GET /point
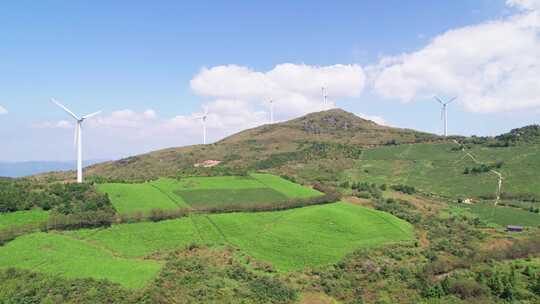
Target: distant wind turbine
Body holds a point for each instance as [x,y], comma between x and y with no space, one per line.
[324,95]
[498,174]
[78,136]
[271,101]
[203,121]
[444,114]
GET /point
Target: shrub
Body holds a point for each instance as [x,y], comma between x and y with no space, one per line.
[86,219]
[404,189]
[466,288]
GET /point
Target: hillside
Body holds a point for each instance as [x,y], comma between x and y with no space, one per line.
[340,132]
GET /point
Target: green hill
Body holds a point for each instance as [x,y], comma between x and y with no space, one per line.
[328,134]
[335,146]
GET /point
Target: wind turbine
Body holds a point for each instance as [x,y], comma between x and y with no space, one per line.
[325,95]
[78,136]
[271,101]
[203,121]
[444,115]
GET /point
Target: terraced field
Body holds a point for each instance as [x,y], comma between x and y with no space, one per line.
[289,240]
[203,192]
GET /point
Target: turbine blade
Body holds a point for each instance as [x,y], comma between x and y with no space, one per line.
[91,115]
[65,109]
[451,100]
[438,99]
[442,113]
[205,111]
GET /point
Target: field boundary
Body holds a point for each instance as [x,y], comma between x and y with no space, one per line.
[168,196]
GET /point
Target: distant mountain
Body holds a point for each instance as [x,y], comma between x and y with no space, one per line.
[328,134]
[20,169]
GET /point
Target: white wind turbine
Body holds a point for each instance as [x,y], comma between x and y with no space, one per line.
[203,121]
[324,95]
[271,101]
[78,136]
[444,114]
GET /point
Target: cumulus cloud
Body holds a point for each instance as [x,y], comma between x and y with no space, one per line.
[3,110]
[294,88]
[492,67]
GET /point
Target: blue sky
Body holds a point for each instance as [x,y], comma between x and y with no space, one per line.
[138,62]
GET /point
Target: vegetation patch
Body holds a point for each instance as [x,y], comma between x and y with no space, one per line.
[216,198]
[214,192]
[23,218]
[61,255]
[288,188]
[439,168]
[289,240]
[127,198]
[503,216]
[202,275]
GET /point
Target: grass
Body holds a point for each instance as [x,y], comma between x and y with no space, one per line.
[62,255]
[503,216]
[290,240]
[166,193]
[128,198]
[437,169]
[23,218]
[288,188]
[215,198]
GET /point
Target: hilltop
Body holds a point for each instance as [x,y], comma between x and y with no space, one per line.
[320,134]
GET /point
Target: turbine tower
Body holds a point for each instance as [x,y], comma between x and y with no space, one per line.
[78,136]
[271,111]
[203,121]
[325,95]
[444,114]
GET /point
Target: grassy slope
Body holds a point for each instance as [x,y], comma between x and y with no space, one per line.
[290,239]
[58,254]
[167,193]
[288,188]
[435,168]
[127,198]
[20,218]
[505,215]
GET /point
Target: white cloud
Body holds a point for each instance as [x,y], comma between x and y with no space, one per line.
[123,119]
[295,88]
[375,118]
[3,110]
[524,4]
[61,124]
[492,67]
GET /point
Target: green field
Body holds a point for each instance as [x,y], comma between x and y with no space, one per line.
[212,198]
[436,168]
[62,255]
[128,198]
[503,216]
[200,192]
[22,218]
[290,240]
